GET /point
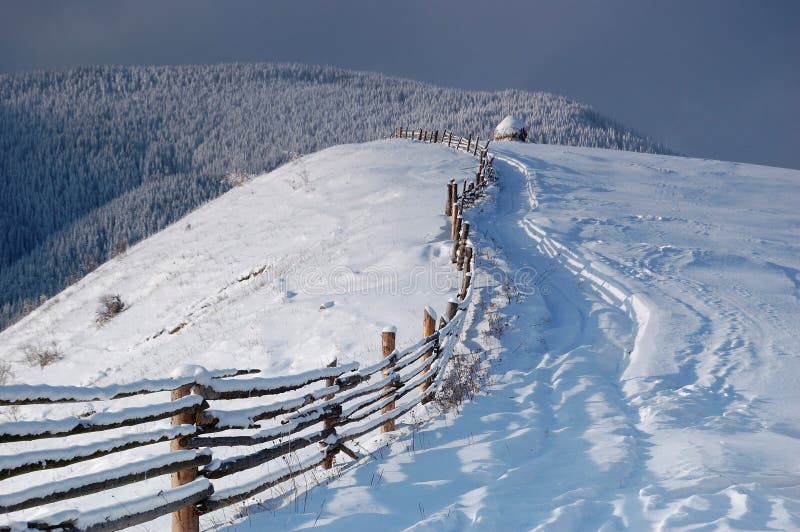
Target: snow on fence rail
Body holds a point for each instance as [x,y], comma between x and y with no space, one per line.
[310,420]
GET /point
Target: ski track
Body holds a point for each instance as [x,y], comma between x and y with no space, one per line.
[723,337]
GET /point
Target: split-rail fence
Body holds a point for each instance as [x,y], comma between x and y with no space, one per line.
[320,411]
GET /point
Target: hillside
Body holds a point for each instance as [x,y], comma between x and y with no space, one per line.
[93,159]
[634,312]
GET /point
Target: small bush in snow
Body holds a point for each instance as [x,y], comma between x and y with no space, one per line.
[5,373]
[497,325]
[238,178]
[120,248]
[42,356]
[110,306]
[466,375]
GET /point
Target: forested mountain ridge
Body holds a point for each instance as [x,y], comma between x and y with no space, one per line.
[94,157]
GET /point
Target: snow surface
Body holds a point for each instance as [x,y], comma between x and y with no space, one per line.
[646,378]
[645,375]
[302,265]
[359,227]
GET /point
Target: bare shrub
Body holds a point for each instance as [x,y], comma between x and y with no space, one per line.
[466,375]
[29,305]
[497,325]
[237,178]
[90,263]
[110,306]
[5,373]
[120,248]
[511,291]
[42,356]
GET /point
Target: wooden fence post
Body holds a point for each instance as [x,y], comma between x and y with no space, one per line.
[456,240]
[329,422]
[428,328]
[451,309]
[187,519]
[449,139]
[435,136]
[462,244]
[469,142]
[420,134]
[448,206]
[477,141]
[455,223]
[451,198]
[468,259]
[465,282]
[388,336]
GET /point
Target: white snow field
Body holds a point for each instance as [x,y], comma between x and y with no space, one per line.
[637,312]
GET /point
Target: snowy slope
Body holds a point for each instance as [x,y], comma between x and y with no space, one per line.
[647,378]
[356,229]
[301,265]
[644,376]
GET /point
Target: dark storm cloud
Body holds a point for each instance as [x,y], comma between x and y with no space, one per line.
[715,78]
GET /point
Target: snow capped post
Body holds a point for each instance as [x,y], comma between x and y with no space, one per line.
[387,350]
[330,422]
[511,128]
[462,243]
[465,282]
[448,206]
[451,309]
[187,518]
[455,221]
[467,259]
[428,328]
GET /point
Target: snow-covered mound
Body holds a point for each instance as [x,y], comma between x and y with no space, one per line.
[511,128]
[639,313]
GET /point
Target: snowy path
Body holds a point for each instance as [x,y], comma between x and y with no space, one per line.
[710,247]
[553,444]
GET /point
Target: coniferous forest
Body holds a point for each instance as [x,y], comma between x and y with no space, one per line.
[93,159]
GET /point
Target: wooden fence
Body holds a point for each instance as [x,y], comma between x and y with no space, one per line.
[467,144]
[301,421]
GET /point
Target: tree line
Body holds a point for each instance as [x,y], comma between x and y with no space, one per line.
[94,158]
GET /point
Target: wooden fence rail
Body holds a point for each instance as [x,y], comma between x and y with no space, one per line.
[467,144]
[327,407]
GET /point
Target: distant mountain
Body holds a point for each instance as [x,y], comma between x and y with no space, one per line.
[95,158]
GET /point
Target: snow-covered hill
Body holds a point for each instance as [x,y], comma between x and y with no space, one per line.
[638,311]
[350,239]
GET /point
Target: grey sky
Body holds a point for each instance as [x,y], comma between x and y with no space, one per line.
[716,79]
